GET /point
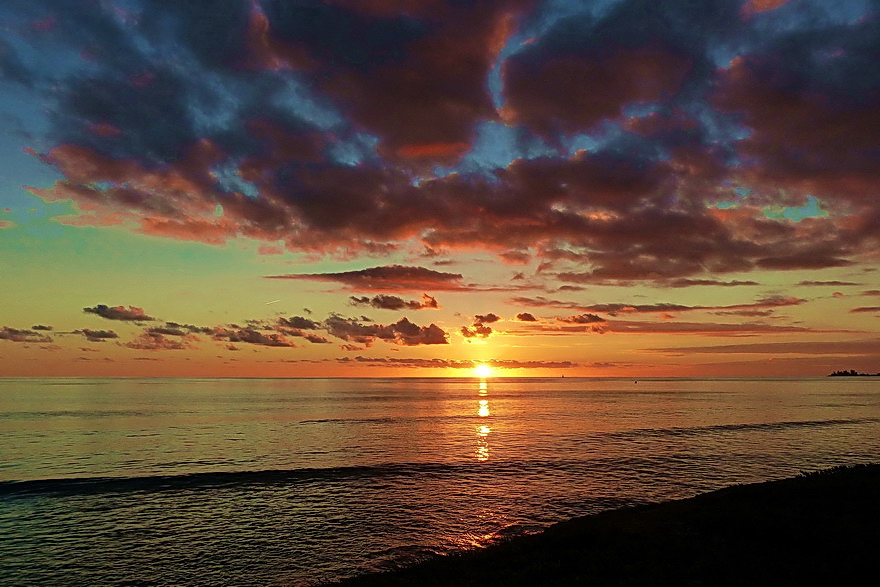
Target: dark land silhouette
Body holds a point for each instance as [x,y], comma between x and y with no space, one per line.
[815,529]
[852,373]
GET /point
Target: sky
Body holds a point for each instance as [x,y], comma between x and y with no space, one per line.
[358,188]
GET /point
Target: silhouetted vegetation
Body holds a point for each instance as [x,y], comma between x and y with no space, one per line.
[815,529]
[853,373]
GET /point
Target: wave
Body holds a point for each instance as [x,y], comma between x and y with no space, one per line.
[697,430]
[281,477]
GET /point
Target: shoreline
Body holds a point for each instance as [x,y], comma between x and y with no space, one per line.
[818,528]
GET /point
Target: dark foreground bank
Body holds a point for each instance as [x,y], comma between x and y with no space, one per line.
[816,529]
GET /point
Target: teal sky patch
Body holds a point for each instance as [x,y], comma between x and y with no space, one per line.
[811,209]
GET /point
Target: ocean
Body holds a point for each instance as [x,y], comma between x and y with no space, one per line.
[299,481]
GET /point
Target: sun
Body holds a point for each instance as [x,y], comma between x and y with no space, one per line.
[483,371]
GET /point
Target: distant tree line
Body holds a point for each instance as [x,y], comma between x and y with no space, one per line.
[853,373]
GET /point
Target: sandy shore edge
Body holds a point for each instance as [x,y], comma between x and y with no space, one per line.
[820,528]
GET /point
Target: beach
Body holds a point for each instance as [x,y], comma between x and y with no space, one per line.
[815,529]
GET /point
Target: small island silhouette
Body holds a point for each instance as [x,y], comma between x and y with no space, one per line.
[852,373]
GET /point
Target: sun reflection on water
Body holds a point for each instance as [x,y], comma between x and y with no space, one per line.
[483,430]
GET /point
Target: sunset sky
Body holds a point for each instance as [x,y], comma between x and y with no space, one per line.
[415,187]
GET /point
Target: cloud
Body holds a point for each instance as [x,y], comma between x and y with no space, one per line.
[167,330]
[834,283]
[756,6]
[543,302]
[96,335]
[476,331]
[175,327]
[403,332]
[865,309]
[553,90]
[747,313]
[12,69]
[676,283]
[526,317]
[479,328]
[671,327]
[386,278]
[582,319]
[486,318]
[389,302]
[631,143]
[132,313]
[248,335]
[17,335]
[706,329]
[153,341]
[281,326]
[299,323]
[853,348]
[455,364]
[614,309]
[42,327]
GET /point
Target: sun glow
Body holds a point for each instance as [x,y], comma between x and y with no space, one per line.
[483,371]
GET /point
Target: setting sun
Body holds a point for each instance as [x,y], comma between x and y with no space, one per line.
[483,371]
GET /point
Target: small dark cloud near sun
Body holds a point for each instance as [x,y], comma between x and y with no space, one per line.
[479,329]
[582,319]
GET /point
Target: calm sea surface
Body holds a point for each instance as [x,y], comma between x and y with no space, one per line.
[297,481]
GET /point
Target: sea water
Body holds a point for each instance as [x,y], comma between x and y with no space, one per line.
[299,481]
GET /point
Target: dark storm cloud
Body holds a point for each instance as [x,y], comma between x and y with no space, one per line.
[418,74]
[131,313]
[664,46]
[321,125]
[11,67]
[809,97]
